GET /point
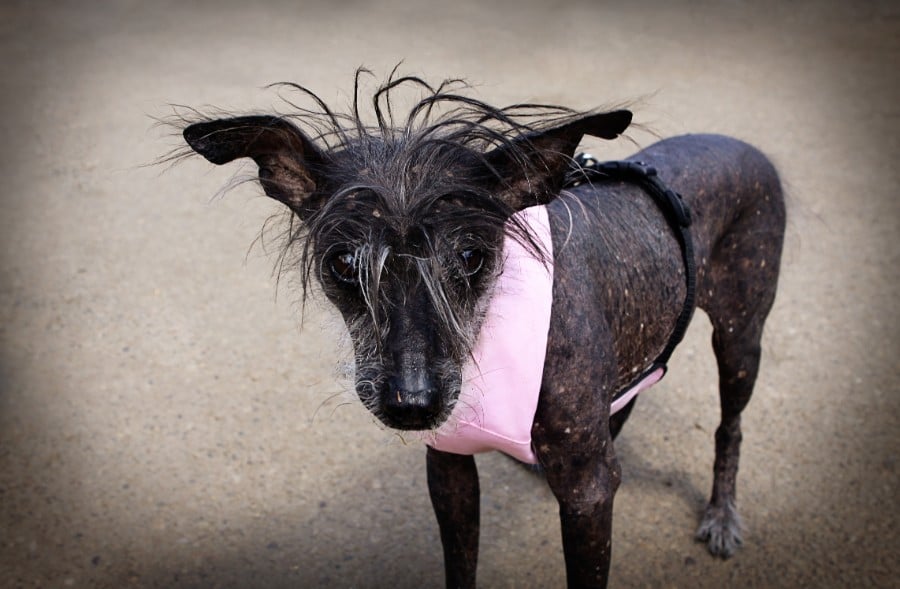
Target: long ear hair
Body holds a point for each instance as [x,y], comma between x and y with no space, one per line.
[289,163]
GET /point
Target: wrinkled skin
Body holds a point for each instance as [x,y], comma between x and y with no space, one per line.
[618,288]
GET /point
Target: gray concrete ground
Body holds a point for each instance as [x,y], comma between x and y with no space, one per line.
[165,422]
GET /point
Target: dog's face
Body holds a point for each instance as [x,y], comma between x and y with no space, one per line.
[403,230]
[410,277]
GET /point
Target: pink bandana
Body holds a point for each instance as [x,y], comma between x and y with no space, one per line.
[500,390]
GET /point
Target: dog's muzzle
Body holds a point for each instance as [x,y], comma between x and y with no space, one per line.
[411,401]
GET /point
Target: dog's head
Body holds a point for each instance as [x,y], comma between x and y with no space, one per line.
[403,224]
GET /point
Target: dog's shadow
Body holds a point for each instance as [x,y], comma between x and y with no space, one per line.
[643,474]
[640,475]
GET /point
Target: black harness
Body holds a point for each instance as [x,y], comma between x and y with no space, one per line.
[586,169]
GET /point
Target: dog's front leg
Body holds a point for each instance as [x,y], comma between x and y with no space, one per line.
[583,474]
[453,485]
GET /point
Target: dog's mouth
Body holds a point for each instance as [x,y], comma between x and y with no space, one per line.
[412,422]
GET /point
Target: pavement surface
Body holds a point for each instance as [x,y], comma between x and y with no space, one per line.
[166,420]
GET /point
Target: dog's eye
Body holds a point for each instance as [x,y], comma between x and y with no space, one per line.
[472,260]
[343,267]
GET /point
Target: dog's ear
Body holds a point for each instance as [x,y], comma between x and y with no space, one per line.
[532,171]
[289,162]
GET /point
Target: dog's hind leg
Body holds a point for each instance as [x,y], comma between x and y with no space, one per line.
[737,292]
[738,361]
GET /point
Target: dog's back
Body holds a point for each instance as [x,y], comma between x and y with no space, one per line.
[614,246]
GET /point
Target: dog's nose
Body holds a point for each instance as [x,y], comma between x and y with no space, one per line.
[411,402]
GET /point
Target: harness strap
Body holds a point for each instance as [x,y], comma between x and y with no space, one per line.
[586,169]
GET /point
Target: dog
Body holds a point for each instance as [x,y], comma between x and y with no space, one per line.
[407,225]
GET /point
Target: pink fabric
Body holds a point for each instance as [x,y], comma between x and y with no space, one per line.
[647,382]
[500,389]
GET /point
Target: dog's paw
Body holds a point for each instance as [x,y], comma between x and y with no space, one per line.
[721,530]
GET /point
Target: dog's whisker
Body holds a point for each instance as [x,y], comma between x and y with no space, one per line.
[325,402]
[338,406]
